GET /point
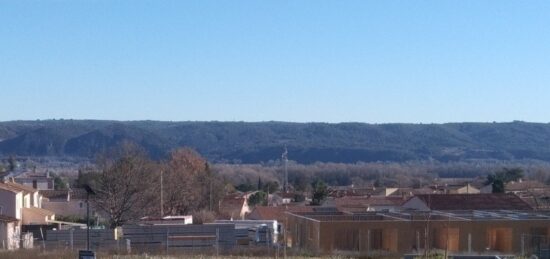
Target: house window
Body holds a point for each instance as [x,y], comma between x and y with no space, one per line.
[34,184]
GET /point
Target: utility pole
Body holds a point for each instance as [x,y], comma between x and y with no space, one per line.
[285,237]
[210,193]
[161,194]
[285,161]
[88,221]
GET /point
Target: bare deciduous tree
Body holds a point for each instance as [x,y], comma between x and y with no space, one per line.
[189,185]
[123,188]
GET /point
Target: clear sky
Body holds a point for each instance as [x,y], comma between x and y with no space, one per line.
[307,60]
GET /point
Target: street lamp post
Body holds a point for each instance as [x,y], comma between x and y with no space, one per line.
[87,254]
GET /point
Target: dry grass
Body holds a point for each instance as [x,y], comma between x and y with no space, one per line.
[251,253]
[67,254]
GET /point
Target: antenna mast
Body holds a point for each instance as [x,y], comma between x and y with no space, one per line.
[285,161]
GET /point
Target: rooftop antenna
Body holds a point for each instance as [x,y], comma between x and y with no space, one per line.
[284,157]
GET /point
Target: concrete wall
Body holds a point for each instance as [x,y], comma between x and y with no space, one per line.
[32,217]
[8,235]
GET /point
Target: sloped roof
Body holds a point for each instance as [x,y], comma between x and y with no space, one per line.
[412,191]
[21,187]
[9,188]
[38,211]
[78,194]
[4,218]
[232,206]
[482,201]
[54,194]
[525,185]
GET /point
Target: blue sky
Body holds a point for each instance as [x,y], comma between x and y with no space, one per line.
[331,61]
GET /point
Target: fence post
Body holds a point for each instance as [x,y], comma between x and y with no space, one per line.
[523,245]
[218,241]
[72,238]
[469,242]
[167,233]
[368,242]
[128,246]
[43,241]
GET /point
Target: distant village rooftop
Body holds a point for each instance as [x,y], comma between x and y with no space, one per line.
[481,201]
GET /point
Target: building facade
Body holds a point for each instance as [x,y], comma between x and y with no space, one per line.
[398,233]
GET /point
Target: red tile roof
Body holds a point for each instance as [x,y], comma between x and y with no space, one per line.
[21,187]
[6,187]
[525,186]
[482,201]
[54,194]
[75,194]
[231,206]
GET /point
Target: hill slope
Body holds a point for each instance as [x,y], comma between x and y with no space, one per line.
[264,141]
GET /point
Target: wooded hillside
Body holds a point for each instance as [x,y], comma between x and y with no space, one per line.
[264,141]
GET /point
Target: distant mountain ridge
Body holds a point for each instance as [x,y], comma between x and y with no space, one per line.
[254,142]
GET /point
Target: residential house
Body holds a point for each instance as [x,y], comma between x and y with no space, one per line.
[284,198]
[39,181]
[287,197]
[234,206]
[9,232]
[351,190]
[528,187]
[11,204]
[67,203]
[31,211]
[461,189]
[409,192]
[19,205]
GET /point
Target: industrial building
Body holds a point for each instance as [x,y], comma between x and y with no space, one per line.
[409,231]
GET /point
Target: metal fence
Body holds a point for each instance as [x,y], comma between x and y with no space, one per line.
[180,237]
[100,239]
[537,244]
